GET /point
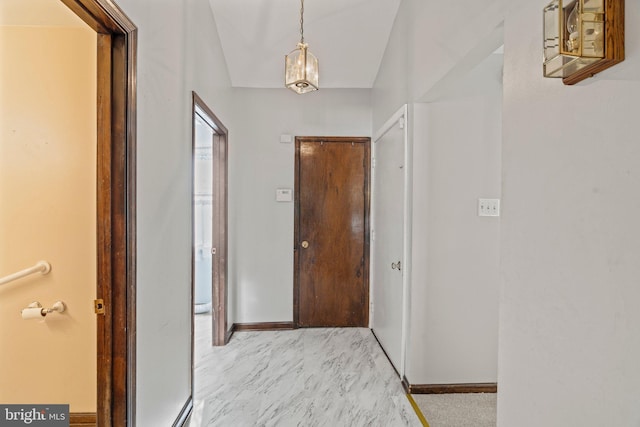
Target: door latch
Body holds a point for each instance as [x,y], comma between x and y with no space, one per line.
[98,305]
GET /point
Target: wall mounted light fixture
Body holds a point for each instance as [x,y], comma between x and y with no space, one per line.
[582,38]
[300,65]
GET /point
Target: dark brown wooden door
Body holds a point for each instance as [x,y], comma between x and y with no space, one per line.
[331,286]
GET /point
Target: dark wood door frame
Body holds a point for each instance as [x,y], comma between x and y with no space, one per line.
[296,233]
[221,332]
[219,295]
[116,208]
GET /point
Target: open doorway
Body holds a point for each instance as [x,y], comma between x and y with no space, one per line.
[48,207]
[209,256]
[108,189]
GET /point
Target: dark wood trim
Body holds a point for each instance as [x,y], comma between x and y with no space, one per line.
[296,215]
[385,353]
[614,48]
[221,128]
[83,419]
[184,414]
[220,294]
[91,14]
[220,332]
[262,326]
[451,388]
[104,267]
[367,227]
[442,388]
[220,289]
[296,238]
[116,208]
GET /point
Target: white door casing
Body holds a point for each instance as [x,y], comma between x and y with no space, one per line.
[390,205]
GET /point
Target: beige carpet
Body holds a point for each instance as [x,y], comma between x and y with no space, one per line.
[458,410]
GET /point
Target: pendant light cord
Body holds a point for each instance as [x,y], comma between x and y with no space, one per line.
[302,21]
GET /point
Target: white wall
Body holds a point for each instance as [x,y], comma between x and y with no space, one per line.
[178,51]
[452,334]
[207,75]
[454,294]
[442,34]
[391,88]
[261,229]
[570,239]
[569,341]
[428,41]
[170,65]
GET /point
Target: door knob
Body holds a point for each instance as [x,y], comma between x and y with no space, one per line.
[395,265]
[304,244]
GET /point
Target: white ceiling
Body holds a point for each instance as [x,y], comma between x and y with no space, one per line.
[347,36]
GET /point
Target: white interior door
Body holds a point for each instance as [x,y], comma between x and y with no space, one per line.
[388,241]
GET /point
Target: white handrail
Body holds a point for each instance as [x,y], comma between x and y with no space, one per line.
[41,267]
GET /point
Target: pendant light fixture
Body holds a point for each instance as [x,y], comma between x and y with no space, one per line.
[300,65]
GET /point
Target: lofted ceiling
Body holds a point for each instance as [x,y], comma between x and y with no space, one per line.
[348,37]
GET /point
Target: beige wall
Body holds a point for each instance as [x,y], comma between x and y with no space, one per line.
[47,211]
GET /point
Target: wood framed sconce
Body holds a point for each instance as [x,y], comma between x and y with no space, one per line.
[582,38]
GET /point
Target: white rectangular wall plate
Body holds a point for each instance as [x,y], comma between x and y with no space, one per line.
[488,207]
[286,139]
[284,195]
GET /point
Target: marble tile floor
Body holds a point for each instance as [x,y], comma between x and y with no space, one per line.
[307,377]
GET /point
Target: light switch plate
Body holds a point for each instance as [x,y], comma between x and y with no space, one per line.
[284,195]
[286,139]
[488,207]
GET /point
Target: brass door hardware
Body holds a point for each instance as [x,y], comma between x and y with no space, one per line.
[98,305]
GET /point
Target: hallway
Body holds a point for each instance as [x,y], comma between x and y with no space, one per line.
[307,377]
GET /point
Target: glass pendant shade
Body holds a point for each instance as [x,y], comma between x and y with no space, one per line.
[301,70]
